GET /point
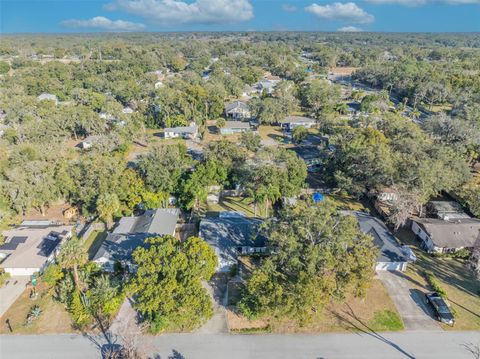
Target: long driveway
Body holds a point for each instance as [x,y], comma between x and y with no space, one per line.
[11,291]
[409,300]
[421,345]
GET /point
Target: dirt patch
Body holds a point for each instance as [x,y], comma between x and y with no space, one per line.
[52,213]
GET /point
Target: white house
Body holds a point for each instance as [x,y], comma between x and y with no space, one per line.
[187,132]
[267,86]
[441,236]
[48,97]
[27,250]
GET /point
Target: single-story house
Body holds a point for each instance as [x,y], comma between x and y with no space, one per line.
[29,249]
[393,256]
[446,210]
[231,236]
[131,232]
[267,86]
[237,110]
[48,97]
[290,122]
[441,236]
[187,132]
[232,127]
[88,142]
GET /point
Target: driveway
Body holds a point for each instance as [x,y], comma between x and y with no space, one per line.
[408,299]
[11,291]
[217,289]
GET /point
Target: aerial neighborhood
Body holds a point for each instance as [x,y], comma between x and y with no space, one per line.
[239,183]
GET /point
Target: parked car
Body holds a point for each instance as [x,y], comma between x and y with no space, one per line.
[440,307]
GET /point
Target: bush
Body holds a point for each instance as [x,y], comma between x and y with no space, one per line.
[462,254]
[52,274]
[33,314]
[3,278]
[80,315]
[433,282]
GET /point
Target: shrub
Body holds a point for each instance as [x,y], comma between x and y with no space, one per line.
[433,282]
[462,254]
[3,278]
[52,274]
[80,315]
[33,314]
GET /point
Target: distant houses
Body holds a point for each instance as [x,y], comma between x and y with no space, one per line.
[131,233]
[232,127]
[237,110]
[267,86]
[290,122]
[48,97]
[32,246]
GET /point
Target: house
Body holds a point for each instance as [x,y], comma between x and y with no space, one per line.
[447,236]
[446,210]
[393,257]
[88,142]
[267,86]
[127,110]
[187,132]
[231,236]
[290,122]
[340,73]
[48,97]
[131,232]
[158,84]
[232,127]
[237,110]
[29,248]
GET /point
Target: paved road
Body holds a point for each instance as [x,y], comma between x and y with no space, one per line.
[408,299]
[421,345]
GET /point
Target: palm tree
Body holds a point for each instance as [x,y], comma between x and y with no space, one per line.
[72,255]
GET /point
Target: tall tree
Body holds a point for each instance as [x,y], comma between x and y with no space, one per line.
[72,255]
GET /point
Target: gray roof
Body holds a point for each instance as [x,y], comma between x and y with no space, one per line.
[182,129]
[236,124]
[297,119]
[225,234]
[390,249]
[452,234]
[131,232]
[236,104]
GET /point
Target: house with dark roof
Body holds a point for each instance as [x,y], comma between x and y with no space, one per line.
[447,236]
[393,256]
[231,236]
[446,210]
[29,249]
[237,110]
[130,233]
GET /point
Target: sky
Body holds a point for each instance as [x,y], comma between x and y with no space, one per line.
[55,16]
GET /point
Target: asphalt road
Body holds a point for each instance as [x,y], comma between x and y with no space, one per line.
[432,344]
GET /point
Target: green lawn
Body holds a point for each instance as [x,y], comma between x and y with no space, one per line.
[386,320]
[345,202]
[238,204]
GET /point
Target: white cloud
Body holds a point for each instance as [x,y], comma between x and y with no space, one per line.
[289,8]
[349,29]
[341,11]
[175,12]
[100,22]
[423,2]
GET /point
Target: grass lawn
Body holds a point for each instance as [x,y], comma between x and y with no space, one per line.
[93,242]
[238,204]
[54,318]
[453,275]
[345,202]
[375,312]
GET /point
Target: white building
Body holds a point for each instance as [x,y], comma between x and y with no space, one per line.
[27,250]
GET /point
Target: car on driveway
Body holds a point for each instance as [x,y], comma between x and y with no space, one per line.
[440,307]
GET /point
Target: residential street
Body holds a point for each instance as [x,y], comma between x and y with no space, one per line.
[424,345]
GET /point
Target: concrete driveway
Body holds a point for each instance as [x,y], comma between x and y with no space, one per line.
[409,300]
[11,291]
[217,289]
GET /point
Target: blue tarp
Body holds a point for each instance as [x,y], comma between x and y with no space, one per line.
[317,197]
